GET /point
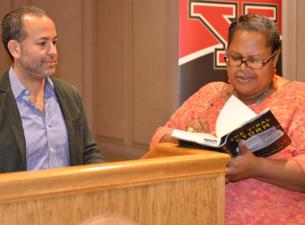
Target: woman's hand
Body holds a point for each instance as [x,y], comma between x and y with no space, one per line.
[283,173]
[198,125]
[244,165]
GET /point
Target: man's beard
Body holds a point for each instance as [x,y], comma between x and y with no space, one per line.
[38,69]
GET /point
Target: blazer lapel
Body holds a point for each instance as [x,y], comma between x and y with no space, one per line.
[12,113]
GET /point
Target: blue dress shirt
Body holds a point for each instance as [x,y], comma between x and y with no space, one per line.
[45,133]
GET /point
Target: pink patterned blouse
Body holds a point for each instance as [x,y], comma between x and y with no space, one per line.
[251,201]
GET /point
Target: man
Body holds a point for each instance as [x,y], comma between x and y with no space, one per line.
[42,120]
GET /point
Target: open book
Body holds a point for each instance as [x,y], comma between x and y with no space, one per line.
[263,133]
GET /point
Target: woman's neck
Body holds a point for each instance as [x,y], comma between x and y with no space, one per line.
[258,98]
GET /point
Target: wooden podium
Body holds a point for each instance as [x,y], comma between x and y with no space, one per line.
[178,187]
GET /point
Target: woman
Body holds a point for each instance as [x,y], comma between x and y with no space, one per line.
[260,190]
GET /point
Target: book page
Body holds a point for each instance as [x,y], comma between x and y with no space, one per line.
[233,114]
[199,138]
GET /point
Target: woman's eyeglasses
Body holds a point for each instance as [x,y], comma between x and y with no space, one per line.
[250,63]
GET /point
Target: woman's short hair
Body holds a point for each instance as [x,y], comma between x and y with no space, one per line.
[258,23]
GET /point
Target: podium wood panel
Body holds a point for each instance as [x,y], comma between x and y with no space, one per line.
[180,190]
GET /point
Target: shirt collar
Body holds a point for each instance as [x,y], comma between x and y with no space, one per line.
[18,88]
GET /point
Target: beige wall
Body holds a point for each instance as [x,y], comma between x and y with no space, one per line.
[122,56]
[137,70]
[293,39]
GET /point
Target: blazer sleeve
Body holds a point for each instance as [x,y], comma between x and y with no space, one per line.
[91,151]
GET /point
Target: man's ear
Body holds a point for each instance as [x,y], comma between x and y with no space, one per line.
[14,48]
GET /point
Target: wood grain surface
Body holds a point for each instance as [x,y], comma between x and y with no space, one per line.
[178,190]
